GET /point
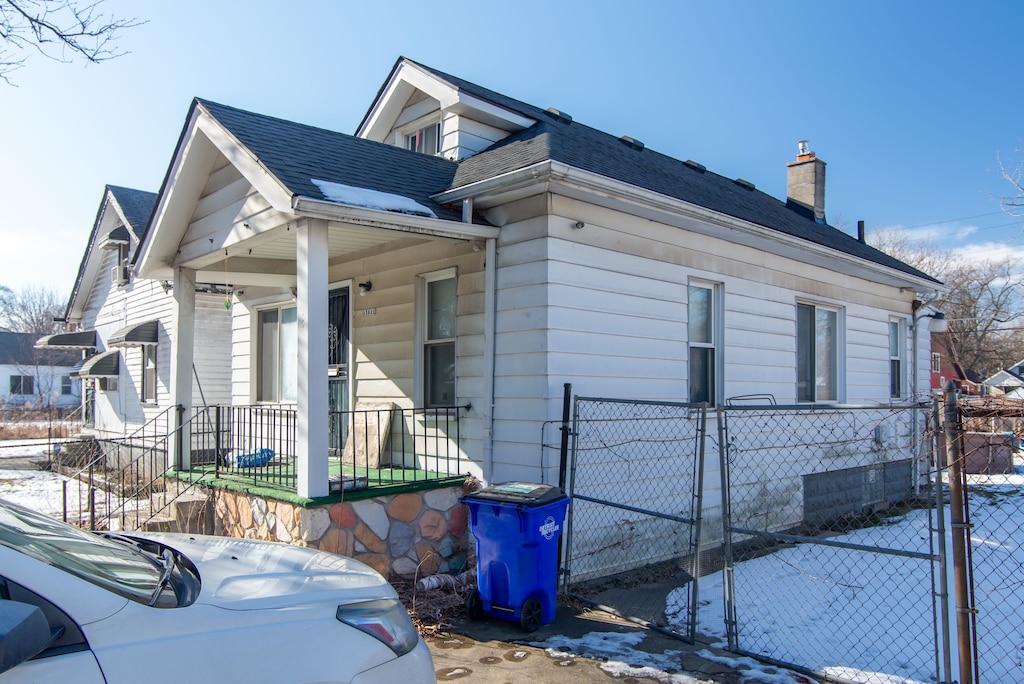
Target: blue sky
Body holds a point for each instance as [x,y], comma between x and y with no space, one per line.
[911,104]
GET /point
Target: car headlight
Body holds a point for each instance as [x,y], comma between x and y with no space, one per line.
[384,619]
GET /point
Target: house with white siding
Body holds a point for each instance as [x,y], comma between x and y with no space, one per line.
[457,261]
[121,326]
[35,378]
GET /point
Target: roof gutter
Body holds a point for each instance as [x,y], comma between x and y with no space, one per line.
[558,172]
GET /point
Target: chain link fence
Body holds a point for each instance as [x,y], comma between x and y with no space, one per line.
[811,541]
[993,479]
[833,545]
[635,518]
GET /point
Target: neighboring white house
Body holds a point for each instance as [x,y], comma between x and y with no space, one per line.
[122,325]
[36,378]
[474,253]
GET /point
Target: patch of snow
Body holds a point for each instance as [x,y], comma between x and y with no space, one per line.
[39,490]
[353,196]
[618,657]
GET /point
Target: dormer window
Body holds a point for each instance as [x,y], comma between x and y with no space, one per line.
[426,140]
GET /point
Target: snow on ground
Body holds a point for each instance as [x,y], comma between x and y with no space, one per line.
[35,489]
[620,658]
[811,633]
[845,618]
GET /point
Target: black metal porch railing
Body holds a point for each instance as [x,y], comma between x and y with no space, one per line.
[110,482]
[367,448]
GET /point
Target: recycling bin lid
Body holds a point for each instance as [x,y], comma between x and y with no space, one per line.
[528,494]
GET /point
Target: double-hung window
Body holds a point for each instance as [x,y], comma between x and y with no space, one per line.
[936,362]
[897,345]
[818,355]
[277,354]
[66,386]
[426,140]
[149,373]
[22,385]
[437,331]
[703,340]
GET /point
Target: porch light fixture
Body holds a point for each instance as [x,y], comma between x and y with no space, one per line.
[365,287]
[938,323]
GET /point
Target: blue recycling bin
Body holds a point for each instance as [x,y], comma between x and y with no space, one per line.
[518,529]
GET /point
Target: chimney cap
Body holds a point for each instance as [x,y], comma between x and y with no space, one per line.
[803,147]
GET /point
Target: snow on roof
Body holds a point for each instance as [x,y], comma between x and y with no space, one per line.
[370,199]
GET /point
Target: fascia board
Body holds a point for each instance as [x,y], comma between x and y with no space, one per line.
[386,109]
[156,252]
[187,178]
[388,220]
[265,183]
[604,191]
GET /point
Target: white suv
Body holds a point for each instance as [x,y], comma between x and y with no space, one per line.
[87,607]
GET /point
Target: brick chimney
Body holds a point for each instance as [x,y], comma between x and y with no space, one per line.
[805,185]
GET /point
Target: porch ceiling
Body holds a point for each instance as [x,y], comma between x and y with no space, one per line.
[270,257]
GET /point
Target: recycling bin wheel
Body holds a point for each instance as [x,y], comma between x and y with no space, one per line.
[531,615]
[474,606]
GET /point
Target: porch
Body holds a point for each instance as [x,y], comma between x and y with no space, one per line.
[373,450]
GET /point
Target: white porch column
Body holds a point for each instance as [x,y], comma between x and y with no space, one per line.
[182,344]
[311,305]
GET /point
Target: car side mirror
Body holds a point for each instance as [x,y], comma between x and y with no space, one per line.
[24,633]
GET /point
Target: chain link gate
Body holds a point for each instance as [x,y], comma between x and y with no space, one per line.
[991,474]
[834,548]
[636,486]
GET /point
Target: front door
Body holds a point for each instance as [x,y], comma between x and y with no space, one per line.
[337,366]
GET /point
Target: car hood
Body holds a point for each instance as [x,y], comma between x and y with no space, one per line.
[239,574]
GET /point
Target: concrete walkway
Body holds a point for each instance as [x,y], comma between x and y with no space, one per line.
[572,649]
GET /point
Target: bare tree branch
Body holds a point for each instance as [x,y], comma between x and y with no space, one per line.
[31,310]
[1013,172]
[984,306]
[58,29]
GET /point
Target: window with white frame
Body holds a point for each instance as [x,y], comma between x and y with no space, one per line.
[66,385]
[22,385]
[426,140]
[897,347]
[703,340]
[818,374]
[149,373]
[936,362]
[277,354]
[437,309]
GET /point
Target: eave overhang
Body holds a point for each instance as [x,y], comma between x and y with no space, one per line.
[563,179]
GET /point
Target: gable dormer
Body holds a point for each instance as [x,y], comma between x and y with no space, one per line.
[427,111]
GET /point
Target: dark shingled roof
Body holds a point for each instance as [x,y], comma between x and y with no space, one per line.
[556,139]
[16,349]
[296,153]
[136,205]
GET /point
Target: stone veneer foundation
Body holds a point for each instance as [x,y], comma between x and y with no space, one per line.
[412,535]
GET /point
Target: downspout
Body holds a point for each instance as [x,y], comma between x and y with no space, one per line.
[490,284]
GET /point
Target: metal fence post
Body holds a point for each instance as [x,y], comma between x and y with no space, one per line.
[940,526]
[960,531]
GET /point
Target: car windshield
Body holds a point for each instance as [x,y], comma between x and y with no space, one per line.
[116,566]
